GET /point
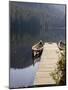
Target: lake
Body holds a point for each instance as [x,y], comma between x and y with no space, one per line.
[23,77]
[22,67]
[30,23]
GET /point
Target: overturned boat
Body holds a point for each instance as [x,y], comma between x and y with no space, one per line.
[37,49]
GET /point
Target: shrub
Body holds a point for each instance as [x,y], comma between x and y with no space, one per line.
[59,74]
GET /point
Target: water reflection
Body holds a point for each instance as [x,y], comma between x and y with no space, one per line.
[23,66]
[23,77]
[21,56]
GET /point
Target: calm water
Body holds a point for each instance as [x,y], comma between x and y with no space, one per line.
[23,67]
[23,77]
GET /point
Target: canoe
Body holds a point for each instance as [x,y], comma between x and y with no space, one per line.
[61,45]
[37,49]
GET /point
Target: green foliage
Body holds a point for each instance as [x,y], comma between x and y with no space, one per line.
[59,73]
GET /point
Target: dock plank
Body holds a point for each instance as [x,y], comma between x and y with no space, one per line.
[47,64]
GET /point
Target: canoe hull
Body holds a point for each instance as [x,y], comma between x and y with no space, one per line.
[61,45]
[36,53]
[37,50]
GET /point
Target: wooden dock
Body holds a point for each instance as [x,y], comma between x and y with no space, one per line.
[47,64]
